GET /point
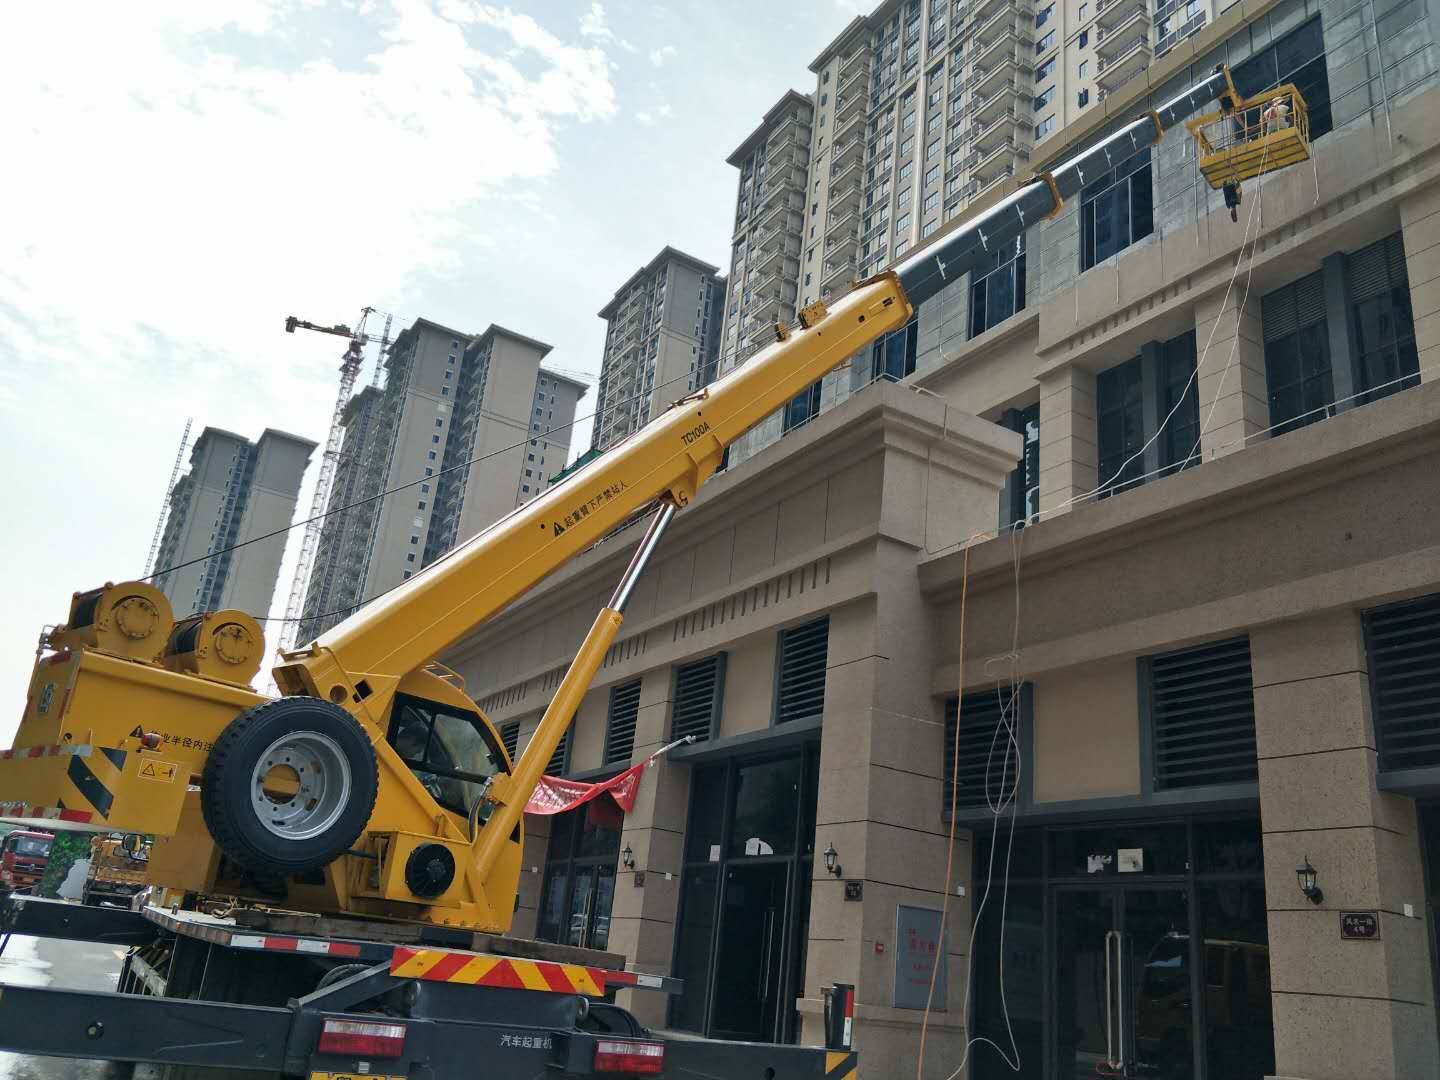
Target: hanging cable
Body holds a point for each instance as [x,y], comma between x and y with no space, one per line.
[389,491]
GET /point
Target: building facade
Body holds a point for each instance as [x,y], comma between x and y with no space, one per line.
[551,418]
[769,235]
[448,437]
[235,489]
[1095,749]
[662,340]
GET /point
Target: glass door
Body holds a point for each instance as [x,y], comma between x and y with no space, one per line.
[748,972]
[1085,924]
[589,923]
[1124,983]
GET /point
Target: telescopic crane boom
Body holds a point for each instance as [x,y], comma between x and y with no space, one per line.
[376,785]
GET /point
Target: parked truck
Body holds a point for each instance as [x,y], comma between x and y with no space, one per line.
[118,865]
[335,869]
[24,854]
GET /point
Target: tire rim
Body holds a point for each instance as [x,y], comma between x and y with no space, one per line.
[301,785]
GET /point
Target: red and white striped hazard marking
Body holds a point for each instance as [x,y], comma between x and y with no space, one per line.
[191,926]
[47,813]
[53,750]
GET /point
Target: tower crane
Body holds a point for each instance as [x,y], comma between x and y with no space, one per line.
[350,364]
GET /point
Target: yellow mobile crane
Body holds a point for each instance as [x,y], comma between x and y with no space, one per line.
[375,786]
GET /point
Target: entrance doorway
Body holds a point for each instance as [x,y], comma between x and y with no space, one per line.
[579,885]
[1123,950]
[745,897]
[1123,983]
[749,963]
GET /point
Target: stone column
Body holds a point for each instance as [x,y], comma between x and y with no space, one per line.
[1342,1009]
[1420,228]
[536,846]
[880,795]
[1233,398]
[642,917]
[1067,438]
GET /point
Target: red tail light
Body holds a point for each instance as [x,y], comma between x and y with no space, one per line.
[630,1056]
[362,1039]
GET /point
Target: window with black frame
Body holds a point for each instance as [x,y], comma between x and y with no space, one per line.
[1297,354]
[893,356]
[1179,405]
[450,752]
[1378,288]
[1020,499]
[1120,419]
[578,890]
[1116,210]
[1147,414]
[801,409]
[1298,58]
[997,287]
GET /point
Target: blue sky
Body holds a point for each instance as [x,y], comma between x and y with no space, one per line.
[185,173]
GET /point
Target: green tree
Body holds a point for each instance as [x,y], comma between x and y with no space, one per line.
[68,847]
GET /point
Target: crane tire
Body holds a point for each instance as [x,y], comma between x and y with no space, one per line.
[289,786]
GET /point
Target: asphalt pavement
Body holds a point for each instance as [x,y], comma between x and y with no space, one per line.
[79,965]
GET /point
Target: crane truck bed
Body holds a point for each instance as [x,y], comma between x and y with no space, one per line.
[200,992]
[376,787]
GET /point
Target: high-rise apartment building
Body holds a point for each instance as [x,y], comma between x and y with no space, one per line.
[551,420]
[920,108]
[449,437]
[771,216]
[236,489]
[662,340]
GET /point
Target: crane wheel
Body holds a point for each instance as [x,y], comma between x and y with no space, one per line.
[289,786]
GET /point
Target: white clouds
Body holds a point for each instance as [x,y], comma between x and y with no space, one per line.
[645,118]
[665,111]
[662,54]
[175,185]
[593,24]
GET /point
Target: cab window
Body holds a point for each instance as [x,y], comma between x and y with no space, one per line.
[451,752]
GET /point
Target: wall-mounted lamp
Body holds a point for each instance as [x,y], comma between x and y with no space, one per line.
[1306,875]
[832,860]
[627,858]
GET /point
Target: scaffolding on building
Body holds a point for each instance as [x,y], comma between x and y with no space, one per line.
[165,502]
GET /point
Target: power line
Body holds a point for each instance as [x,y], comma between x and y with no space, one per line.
[382,494]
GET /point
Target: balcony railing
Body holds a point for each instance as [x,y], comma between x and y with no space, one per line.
[1002,175]
[837,270]
[1121,30]
[857,59]
[1111,12]
[1169,41]
[855,81]
[1004,150]
[1127,61]
[980,10]
[1000,22]
[845,222]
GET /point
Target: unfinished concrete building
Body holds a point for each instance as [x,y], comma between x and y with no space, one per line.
[235,490]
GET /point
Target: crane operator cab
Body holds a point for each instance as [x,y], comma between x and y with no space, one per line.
[452,754]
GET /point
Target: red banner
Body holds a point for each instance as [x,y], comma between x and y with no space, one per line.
[610,799]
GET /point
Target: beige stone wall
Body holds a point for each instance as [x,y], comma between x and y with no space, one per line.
[1087,733]
[1342,1008]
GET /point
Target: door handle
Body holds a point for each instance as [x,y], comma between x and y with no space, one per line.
[1110,935]
[765,954]
[1120,998]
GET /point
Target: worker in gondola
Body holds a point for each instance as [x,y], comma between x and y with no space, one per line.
[1276,116]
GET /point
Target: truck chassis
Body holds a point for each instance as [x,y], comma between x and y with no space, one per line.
[199,993]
